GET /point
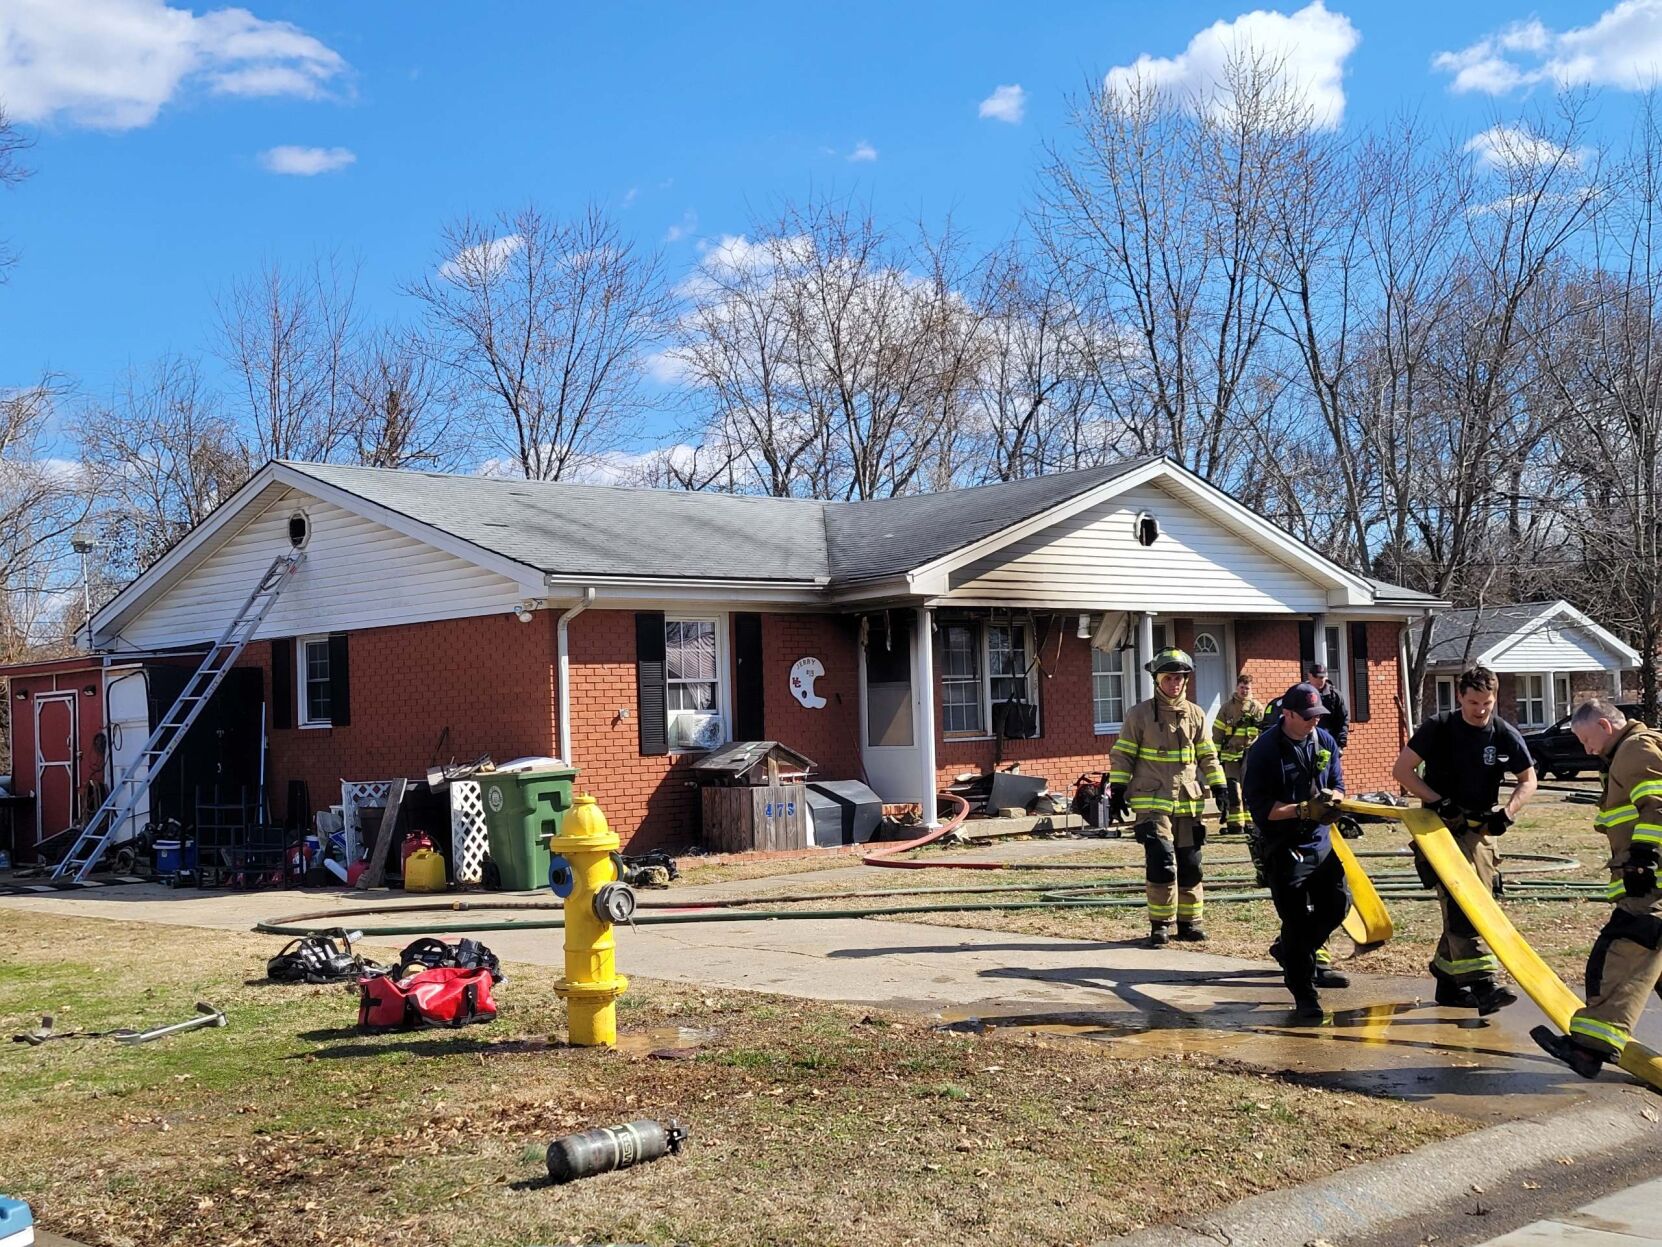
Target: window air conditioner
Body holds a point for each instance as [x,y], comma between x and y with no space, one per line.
[698,731]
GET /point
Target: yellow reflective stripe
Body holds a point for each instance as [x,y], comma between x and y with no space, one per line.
[1646,788]
[1161,911]
[1119,777]
[1616,890]
[1468,965]
[1647,833]
[1616,815]
[1186,910]
[1168,755]
[1323,957]
[1182,806]
[1231,755]
[1606,1033]
[1128,747]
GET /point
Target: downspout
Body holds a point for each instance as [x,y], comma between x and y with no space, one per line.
[563,641]
[926,716]
[1406,718]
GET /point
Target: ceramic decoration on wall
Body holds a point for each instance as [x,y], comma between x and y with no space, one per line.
[803,674]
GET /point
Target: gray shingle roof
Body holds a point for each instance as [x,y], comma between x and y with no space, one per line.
[1385,591]
[1461,635]
[599,530]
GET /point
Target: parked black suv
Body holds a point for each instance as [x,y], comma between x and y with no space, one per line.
[1559,754]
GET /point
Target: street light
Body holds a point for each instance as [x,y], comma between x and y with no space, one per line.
[84,546]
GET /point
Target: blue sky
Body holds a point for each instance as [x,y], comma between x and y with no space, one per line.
[155,126]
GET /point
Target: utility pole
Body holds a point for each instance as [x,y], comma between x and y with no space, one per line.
[83,546]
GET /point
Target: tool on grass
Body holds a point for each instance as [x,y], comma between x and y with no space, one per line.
[44,1032]
[591,1152]
[210,1016]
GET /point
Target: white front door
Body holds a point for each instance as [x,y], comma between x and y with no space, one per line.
[1211,673]
[888,708]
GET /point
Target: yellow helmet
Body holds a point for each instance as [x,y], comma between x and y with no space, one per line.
[1170,659]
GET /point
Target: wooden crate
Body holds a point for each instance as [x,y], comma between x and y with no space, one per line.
[767,816]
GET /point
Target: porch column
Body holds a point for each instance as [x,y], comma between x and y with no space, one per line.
[1616,683]
[1145,651]
[1321,654]
[926,714]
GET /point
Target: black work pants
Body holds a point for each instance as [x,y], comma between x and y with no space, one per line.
[1308,888]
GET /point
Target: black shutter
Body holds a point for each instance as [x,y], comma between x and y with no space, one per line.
[340,682]
[1306,646]
[1359,673]
[747,677]
[282,682]
[651,696]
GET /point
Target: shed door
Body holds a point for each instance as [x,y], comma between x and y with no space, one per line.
[55,749]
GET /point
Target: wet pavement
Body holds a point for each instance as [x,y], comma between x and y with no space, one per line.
[1630,1218]
[1382,1036]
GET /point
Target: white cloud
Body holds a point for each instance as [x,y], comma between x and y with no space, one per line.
[1006,104]
[1513,147]
[1622,49]
[113,64]
[630,195]
[306,162]
[483,259]
[863,153]
[686,227]
[1310,47]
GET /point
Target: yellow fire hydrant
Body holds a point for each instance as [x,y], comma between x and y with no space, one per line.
[595,899]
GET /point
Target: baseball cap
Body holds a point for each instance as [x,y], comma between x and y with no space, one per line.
[1305,700]
[1317,668]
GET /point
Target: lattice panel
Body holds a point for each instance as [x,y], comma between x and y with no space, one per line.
[355,795]
[467,830]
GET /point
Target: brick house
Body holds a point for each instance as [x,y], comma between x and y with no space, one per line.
[1549,656]
[626,630]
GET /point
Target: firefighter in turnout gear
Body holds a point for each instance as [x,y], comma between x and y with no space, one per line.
[1233,732]
[1162,766]
[1626,962]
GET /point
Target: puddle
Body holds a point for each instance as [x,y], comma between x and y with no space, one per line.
[667,1043]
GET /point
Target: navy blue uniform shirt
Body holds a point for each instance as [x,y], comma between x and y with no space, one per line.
[1277,769]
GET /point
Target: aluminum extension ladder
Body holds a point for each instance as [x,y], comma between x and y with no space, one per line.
[127,791]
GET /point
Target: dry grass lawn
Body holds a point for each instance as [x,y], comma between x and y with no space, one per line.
[810,1123]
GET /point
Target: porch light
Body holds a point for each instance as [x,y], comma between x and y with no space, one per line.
[1084,632]
[89,690]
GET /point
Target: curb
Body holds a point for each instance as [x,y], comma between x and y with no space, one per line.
[1368,1198]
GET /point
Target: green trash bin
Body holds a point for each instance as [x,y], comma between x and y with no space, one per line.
[522,809]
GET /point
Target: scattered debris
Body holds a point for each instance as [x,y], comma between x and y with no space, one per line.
[209,1016]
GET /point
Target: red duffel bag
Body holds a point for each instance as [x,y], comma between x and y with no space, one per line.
[450,996]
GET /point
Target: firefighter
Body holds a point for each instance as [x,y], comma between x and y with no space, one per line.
[1627,957]
[1337,723]
[1233,732]
[1465,753]
[1292,783]
[1162,765]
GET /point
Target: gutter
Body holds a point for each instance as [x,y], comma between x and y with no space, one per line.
[563,711]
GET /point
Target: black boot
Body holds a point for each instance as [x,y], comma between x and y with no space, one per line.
[1157,937]
[1583,1061]
[1492,997]
[1191,932]
[1327,976]
[1454,996]
[1306,1004]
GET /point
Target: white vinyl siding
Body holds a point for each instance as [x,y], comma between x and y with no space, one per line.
[1197,565]
[357,574]
[1555,646]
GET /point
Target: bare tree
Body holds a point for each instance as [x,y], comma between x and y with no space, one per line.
[1158,222]
[401,404]
[162,454]
[289,337]
[13,143]
[826,357]
[42,502]
[546,323]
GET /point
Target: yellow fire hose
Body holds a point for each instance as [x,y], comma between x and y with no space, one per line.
[1368,922]
[1545,988]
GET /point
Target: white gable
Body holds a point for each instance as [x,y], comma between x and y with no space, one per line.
[1092,560]
[358,574]
[1556,645]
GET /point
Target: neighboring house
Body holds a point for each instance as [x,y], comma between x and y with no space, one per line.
[1549,656]
[449,616]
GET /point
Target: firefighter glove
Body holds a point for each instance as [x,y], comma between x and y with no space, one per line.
[1497,821]
[1220,795]
[1449,810]
[1319,808]
[1119,805]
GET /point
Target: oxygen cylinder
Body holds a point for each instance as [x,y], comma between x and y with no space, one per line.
[591,1152]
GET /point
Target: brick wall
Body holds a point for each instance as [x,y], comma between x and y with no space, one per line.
[488,679]
[1374,745]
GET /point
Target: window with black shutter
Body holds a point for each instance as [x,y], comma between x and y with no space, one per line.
[1359,709]
[650,692]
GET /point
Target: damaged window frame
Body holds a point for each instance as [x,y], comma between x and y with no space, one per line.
[982,629]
